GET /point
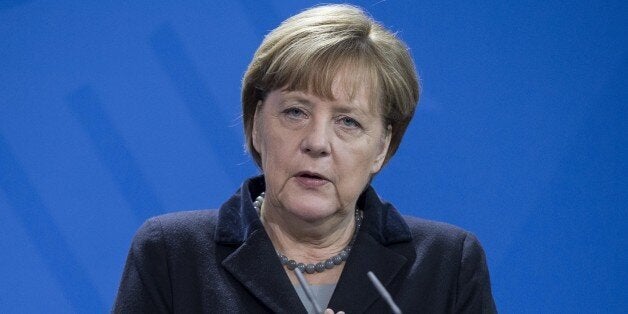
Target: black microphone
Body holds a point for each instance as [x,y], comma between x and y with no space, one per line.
[384,293]
[308,291]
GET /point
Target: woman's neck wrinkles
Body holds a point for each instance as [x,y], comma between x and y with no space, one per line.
[307,241]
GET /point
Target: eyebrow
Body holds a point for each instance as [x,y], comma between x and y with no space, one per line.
[356,110]
[291,96]
[338,108]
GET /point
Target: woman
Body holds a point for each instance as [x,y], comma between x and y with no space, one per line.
[326,101]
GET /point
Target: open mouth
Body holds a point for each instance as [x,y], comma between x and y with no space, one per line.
[311,179]
[311,175]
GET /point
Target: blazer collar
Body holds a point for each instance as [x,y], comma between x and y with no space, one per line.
[382,220]
[237,217]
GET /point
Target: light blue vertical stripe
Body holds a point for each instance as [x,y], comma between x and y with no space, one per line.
[200,102]
[114,154]
[35,218]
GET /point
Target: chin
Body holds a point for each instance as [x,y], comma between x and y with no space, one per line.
[311,209]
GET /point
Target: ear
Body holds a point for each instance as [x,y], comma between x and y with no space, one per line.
[255,138]
[381,156]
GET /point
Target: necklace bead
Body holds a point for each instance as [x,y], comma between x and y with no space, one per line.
[319,267]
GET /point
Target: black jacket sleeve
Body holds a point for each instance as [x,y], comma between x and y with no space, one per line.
[145,284]
[474,287]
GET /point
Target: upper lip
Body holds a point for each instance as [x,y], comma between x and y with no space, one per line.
[312,174]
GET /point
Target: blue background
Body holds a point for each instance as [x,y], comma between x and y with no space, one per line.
[114,111]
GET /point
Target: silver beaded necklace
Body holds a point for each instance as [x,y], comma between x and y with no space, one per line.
[322,265]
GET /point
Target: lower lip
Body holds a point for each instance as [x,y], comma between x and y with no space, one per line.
[311,182]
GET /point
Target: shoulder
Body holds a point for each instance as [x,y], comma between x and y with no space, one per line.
[434,234]
[420,227]
[177,227]
[457,257]
[186,219]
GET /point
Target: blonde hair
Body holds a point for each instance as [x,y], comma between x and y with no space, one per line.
[309,50]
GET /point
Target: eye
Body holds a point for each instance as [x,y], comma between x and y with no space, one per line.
[294,112]
[350,122]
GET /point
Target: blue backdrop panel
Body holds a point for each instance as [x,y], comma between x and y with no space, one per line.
[112,112]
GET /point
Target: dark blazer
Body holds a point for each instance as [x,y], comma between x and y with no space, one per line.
[224,262]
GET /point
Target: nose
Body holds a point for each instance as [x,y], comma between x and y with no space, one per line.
[316,140]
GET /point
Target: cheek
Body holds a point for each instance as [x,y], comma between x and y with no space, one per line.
[275,150]
[354,166]
[360,155]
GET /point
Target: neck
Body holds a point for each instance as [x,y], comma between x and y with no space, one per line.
[305,240]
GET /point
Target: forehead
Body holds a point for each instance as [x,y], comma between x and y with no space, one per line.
[345,85]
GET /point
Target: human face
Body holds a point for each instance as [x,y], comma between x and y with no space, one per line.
[318,155]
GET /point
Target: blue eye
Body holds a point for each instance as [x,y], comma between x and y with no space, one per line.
[293,112]
[350,122]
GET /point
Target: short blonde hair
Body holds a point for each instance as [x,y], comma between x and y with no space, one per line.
[309,50]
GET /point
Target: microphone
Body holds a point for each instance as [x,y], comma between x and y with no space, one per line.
[384,293]
[308,291]
[378,286]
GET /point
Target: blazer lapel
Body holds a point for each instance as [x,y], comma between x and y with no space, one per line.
[268,281]
[354,292]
